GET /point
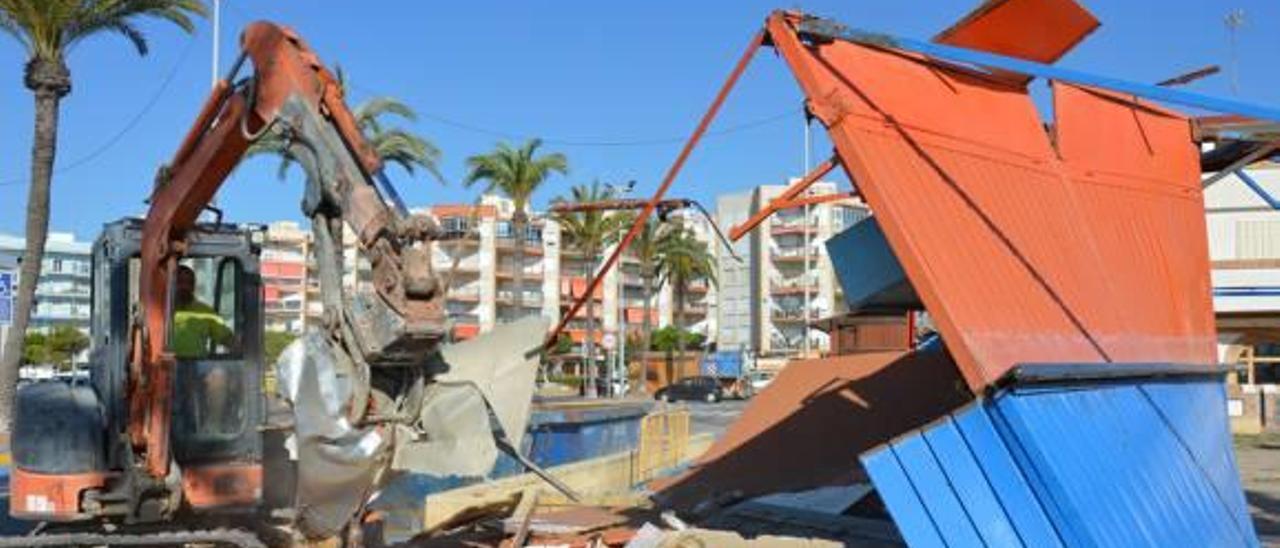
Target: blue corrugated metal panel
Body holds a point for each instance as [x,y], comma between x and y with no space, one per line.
[1141,463]
[867,269]
[1005,478]
[971,486]
[937,494]
[900,497]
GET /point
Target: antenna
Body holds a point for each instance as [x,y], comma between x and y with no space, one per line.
[1234,20]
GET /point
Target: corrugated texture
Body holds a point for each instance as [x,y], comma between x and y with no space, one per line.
[1019,255]
[808,427]
[1137,464]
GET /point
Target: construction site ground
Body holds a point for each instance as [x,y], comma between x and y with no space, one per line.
[1259,460]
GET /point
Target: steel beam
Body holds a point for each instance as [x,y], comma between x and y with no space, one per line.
[824,29]
[782,201]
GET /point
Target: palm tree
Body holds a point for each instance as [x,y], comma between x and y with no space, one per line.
[48,29]
[683,259]
[645,247]
[394,145]
[589,232]
[516,173]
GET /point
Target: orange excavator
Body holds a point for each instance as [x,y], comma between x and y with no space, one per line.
[171,442]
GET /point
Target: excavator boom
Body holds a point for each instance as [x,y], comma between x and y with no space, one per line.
[293,95]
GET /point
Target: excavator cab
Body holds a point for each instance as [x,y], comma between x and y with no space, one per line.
[77,434]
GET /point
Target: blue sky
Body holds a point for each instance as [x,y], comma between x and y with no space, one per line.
[572,72]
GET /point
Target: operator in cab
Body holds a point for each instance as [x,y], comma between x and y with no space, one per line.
[197,332]
[197,327]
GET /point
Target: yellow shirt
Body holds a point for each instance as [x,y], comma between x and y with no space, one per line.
[194,327]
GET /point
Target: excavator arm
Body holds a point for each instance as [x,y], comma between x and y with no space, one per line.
[395,322]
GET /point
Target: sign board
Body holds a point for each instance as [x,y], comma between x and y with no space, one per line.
[6,298]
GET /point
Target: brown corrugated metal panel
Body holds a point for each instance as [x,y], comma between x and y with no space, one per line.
[850,335]
[1018,256]
[1039,30]
[807,428]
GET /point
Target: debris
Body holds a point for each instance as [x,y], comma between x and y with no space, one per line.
[863,397]
[522,516]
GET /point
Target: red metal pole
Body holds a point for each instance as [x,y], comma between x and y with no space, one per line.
[781,201]
[643,217]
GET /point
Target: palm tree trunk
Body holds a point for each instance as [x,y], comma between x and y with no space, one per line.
[647,335]
[49,82]
[679,288]
[518,222]
[590,344]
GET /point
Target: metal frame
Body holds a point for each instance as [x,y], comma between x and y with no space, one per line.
[825,29]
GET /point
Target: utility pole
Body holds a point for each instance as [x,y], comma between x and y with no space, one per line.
[1234,20]
[217,21]
[805,275]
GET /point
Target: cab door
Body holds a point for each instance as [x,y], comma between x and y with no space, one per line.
[217,388]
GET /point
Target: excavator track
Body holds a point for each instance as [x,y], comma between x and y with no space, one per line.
[218,537]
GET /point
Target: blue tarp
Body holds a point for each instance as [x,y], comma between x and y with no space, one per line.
[1125,463]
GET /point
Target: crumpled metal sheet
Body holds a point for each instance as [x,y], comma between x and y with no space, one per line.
[337,462]
[451,433]
[452,436]
[503,364]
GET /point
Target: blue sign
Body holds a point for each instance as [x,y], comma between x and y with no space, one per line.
[6,298]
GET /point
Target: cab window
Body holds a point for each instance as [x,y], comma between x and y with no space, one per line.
[205,309]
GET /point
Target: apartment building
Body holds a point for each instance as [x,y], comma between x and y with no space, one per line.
[478,262]
[784,281]
[64,288]
[290,280]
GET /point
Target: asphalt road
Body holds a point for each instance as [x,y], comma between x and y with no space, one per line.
[714,417]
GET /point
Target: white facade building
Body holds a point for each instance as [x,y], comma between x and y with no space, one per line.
[785,280]
[63,291]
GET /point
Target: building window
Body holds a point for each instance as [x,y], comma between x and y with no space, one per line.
[455,226]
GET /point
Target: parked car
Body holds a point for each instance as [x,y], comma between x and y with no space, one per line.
[700,388]
[757,380]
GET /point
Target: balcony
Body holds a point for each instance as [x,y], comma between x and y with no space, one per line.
[695,309]
[532,299]
[509,244]
[792,315]
[793,288]
[783,226]
[466,266]
[464,294]
[508,271]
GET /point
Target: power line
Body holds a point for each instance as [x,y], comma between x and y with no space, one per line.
[735,128]
[603,143]
[105,146]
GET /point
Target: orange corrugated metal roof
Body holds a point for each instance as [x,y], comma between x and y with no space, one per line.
[1039,30]
[1021,256]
